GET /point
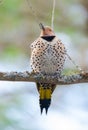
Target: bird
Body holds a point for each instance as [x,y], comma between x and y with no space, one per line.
[48,56]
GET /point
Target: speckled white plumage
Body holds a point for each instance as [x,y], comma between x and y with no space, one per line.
[47,57]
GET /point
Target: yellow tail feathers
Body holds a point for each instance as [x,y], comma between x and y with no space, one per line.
[45,93]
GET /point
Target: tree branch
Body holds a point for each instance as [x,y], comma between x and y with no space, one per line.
[35,77]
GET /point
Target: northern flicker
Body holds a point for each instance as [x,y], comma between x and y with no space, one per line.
[47,57]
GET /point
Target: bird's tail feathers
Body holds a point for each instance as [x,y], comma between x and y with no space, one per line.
[45,91]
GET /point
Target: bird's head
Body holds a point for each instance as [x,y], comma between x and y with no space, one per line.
[46,30]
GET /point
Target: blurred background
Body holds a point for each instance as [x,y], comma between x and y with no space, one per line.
[19,103]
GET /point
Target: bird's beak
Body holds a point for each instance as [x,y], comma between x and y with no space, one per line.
[42,26]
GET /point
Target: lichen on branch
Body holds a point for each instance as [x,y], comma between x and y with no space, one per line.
[26,76]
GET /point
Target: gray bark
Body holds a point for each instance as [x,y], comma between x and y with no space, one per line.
[26,76]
